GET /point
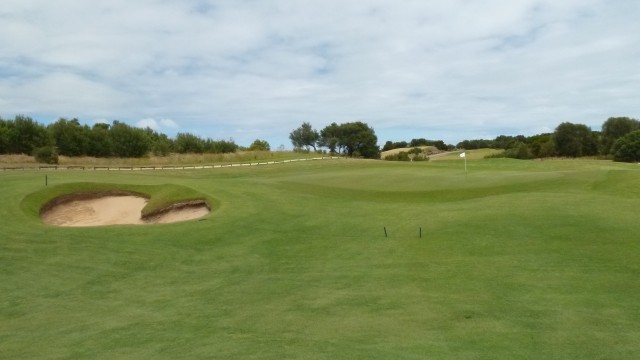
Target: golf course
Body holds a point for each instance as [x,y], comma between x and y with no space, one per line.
[331,259]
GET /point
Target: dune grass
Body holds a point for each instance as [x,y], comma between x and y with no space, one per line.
[429,150]
[518,259]
[171,159]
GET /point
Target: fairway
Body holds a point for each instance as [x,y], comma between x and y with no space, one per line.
[517,260]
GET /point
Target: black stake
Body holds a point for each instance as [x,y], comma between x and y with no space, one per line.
[385,231]
[46,181]
[421,232]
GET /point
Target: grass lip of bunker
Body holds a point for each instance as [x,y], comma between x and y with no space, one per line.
[82,204]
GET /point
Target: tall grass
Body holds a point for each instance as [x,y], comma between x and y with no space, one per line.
[172,159]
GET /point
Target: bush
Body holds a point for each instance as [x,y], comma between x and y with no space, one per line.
[405,156]
[260,145]
[516,151]
[519,151]
[627,148]
[46,155]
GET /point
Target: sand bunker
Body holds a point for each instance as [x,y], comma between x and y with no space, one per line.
[114,210]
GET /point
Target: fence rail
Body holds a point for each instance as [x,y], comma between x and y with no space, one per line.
[163,167]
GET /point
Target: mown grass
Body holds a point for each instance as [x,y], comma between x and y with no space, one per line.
[518,259]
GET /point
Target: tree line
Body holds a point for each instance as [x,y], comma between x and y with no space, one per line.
[23,135]
[619,140]
[438,144]
[355,139]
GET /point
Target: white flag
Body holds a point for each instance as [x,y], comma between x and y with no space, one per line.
[463,155]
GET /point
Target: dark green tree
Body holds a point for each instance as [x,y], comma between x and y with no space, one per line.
[519,150]
[358,139]
[541,145]
[160,144]
[4,136]
[100,144]
[260,145]
[627,148]
[128,141]
[615,128]
[575,140]
[189,143]
[476,144]
[304,136]
[26,135]
[220,146]
[71,138]
[388,146]
[330,138]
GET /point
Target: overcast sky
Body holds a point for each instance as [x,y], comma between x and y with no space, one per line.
[247,69]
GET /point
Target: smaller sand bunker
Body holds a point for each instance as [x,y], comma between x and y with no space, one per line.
[118,210]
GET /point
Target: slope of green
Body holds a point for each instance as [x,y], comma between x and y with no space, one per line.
[518,259]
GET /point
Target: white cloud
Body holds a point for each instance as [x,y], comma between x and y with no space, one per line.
[168,123]
[413,68]
[162,124]
[147,123]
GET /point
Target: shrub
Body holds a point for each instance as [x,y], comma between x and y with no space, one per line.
[627,148]
[405,156]
[46,155]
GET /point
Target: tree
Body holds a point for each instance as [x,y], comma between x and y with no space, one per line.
[189,143]
[160,144]
[259,145]
[71,138]
[615,128]
[330,138]
[220,146]
[4,136]
[627,148]
[575,140]
[475,144]
[128,141]
[100,144]
[304,136]
[26,135]
[519,150]
[358,139]
[541,145]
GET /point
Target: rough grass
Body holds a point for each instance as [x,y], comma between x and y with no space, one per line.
[171,159]
[518,259]
[429,150]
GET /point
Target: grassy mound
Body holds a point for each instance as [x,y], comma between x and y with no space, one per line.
[161,197]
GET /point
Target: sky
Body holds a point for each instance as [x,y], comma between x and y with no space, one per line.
[256,69]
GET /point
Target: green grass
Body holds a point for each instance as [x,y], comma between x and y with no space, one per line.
[518,260]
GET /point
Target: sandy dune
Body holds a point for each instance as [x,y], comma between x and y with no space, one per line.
[114,210]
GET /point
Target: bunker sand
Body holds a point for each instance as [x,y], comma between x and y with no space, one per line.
[116,210]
